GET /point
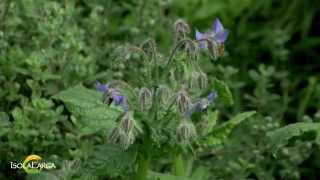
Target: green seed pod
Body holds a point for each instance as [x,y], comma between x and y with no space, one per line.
[145,98]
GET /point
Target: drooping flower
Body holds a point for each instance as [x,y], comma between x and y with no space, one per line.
[217,34]
[214,39]
[201,104]
[212,96]
[102,87]
[112,95]
[116,97]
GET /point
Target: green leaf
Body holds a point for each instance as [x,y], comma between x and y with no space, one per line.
[4,120]
[224,93]
[110,160]
[91,115]
[219,134]
[280,137]
[80,96]
[4,123]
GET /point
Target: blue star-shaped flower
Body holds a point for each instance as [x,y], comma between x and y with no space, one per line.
[217,34]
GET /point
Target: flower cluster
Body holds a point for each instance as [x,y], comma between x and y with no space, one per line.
[186,130]
[188,72]
[123,133]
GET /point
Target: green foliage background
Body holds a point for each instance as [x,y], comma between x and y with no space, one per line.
[271,66]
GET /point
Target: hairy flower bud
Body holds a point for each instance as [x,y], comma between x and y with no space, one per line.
[181,28]
[164,93]
[202,80]
[183,101]
[127,122]
[128,140]
[193,80]
[186,131]
[115,134]
[145,98]
[120,137]
[191,49]
[149,47]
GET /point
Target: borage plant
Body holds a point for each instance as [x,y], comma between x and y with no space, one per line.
[161,117]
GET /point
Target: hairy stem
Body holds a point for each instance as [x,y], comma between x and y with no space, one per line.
[143,167]
[173,52]
[178,167]
[144,160]
[189,164]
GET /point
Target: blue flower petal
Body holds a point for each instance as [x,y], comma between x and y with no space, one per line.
[222,36]
[102,87]
[201,38]
[212,96]
[199,35]
[117,98]
[217,26]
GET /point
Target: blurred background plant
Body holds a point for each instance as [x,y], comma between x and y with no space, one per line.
[270,65]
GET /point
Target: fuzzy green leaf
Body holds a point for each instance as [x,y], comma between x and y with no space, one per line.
[280,137]
[219,134]
[224,93]
[110,160]
[91,115]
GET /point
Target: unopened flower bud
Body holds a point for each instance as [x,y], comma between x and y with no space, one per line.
[149,47]
[183,101]
[181,29]
[202,80]
[145,98]
[115,135]
[127,140]
[191,49]
[164,93]
[186,131]
[127,122]
[120,137]
[193,82]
